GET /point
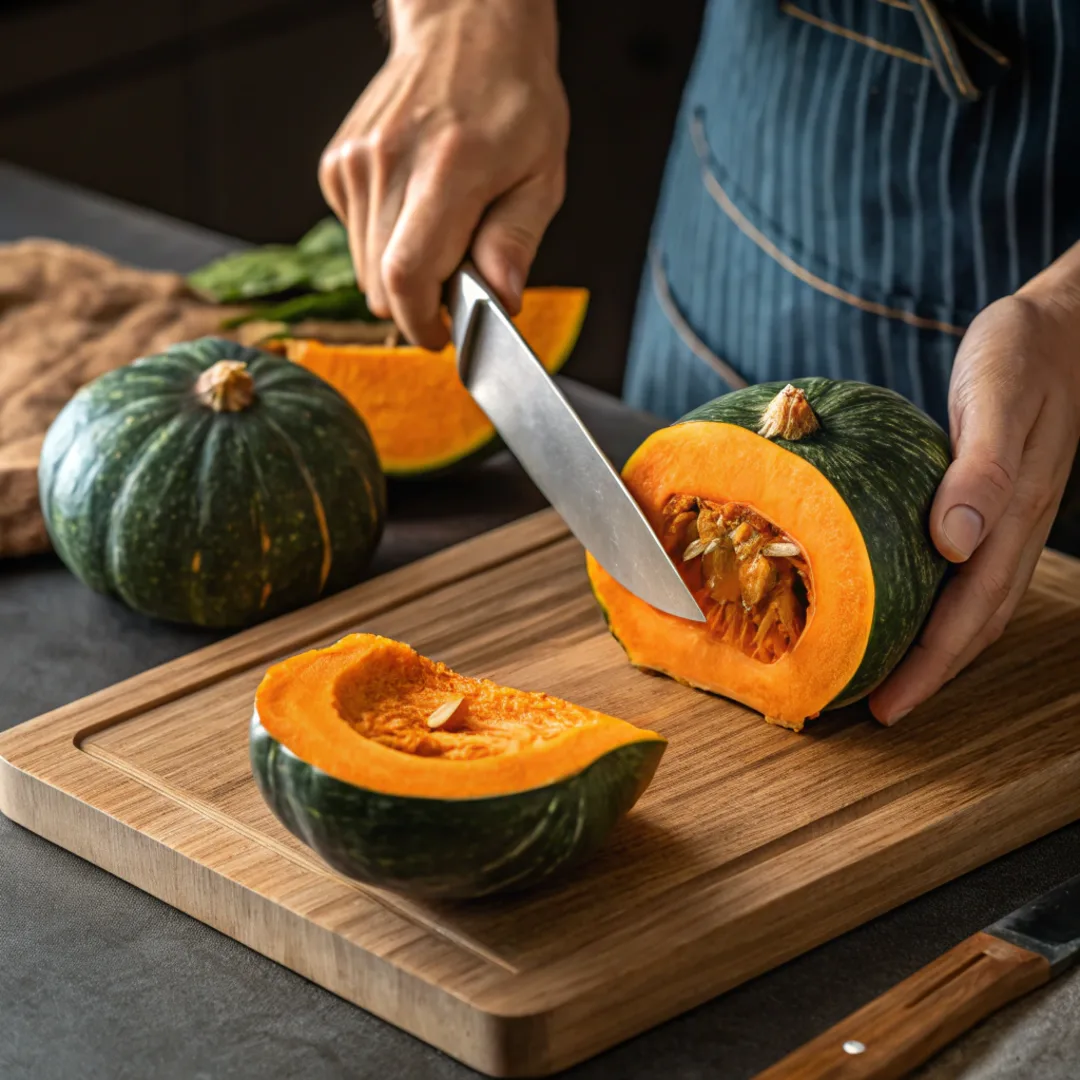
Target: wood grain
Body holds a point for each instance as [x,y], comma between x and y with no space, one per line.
[753,844]
[905,1027]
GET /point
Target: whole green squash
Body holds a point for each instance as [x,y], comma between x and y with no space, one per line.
[212,484]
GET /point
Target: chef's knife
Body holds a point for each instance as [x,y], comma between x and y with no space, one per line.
[910,1023]
[544,433]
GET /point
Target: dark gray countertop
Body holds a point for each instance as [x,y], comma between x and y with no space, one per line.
[99,980]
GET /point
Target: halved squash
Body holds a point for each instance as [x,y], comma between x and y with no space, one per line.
[403,774]
[421,417]
[798,515]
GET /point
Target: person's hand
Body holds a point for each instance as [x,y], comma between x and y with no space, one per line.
[1014,411]
[458,143]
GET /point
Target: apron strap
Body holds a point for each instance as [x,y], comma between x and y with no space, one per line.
[941,47]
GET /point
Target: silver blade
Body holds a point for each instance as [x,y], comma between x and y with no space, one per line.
[1048,925]
[545,434]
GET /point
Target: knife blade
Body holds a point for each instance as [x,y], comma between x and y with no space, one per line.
[913,1021]
[555,448]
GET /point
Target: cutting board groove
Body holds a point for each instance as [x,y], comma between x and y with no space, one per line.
[753,844]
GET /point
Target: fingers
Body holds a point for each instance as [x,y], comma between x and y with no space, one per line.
[430,159]
[440,215]
[343,184]
[385,193]
[993,410]
[993,630]
[506,242]
[440,212]
[962,611]
[331,182]
[408,235]
[973,609]
[981,480]
[964,622]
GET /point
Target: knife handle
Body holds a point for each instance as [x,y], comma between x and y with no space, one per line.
[910,1023]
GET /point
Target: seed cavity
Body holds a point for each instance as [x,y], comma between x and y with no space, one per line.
[751,579]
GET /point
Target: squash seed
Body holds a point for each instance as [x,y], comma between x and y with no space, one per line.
[444,712]
[781,549]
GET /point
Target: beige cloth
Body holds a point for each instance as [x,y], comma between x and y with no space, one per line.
[67,315]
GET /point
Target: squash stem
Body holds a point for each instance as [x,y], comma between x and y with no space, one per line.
[226,386]
[789,416]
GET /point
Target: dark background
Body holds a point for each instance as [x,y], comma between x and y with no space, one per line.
[216,111]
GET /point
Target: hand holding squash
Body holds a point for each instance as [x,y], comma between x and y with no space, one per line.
[1014,411]
[458,143]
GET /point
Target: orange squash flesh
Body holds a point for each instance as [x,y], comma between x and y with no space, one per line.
[361,711]
[420,416]
[725,463]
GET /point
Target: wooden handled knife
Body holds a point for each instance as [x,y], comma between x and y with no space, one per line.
[906,1026]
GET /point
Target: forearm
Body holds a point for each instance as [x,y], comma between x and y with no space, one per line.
[531,20]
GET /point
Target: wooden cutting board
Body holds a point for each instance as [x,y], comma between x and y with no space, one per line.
[753,844]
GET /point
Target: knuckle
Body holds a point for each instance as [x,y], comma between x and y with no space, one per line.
[1030,501]
[400,273]
[997,473]
[377,145]
[459,142]
[517,238]
[1021,311]
[328,166]
[994,585]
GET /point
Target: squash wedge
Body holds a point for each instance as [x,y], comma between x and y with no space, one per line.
[422,419]
[405,775]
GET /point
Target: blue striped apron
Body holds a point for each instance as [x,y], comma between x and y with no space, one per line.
[849,182]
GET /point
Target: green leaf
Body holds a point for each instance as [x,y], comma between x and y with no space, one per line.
[319,263]
[328,237]
[247,275]
[344,303]
[333,272]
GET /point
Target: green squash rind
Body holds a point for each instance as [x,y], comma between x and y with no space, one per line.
[885,457]
[452,848]
[211,518]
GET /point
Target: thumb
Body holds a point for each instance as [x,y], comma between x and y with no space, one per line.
[978,485]
[505,243]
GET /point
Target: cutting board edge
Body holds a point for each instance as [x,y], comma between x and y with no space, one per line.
[499,1044]
[494,1044]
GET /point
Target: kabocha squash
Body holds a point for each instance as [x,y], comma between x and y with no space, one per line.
[405,775]
[212,484]
[798,515]
[421,417]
